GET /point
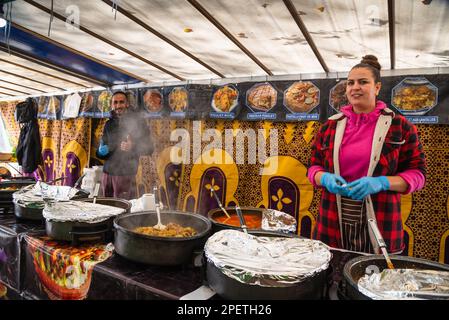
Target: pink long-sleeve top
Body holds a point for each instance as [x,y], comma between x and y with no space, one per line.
[355,149]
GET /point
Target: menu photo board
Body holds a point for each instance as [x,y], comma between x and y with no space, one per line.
[225,102]
[415,97]
[260,101]
[302,100]
[177,101]
[42,102]
[337,96]
[421,99]
[133,99]
[88,102]
[152,101]
[103,106]
[49,107]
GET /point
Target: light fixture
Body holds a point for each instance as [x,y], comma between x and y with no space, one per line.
[2,17]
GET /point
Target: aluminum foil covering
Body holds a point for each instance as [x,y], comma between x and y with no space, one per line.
[274,220]
[79,211]
[395,284]
[32,196]
[266,261]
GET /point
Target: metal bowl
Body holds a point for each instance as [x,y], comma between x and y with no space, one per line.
[26,213]
[82,231]
[247,211]
[77,232]
[163,251]
[312,288]
[357,267]
[35,214]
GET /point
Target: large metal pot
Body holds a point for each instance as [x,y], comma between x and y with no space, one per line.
[27,213]
[35,214]
[356,268]
[253,218]
[8,187]
[76,232]
[312,288]
[164,251]
[248,213]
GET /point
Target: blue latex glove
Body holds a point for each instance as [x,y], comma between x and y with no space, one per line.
[103,149]
[333,183]
[365,186]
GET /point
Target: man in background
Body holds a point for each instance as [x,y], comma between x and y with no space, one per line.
[126,136]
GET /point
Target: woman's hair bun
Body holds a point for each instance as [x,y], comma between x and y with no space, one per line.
[371,60]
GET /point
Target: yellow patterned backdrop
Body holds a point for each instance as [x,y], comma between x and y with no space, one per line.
[187,187]
[7,113]
[425,213]
[65,144]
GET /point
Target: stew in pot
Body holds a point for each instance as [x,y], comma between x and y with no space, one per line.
[253,221]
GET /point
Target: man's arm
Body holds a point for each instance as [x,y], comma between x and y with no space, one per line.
[103,151]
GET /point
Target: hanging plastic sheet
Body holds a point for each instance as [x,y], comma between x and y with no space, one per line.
[71,106]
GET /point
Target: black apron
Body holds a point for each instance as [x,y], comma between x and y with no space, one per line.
[355,226]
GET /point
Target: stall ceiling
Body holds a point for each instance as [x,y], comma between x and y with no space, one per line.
[176,40]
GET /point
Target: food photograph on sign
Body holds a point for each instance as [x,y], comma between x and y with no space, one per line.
[337,96]
[104,101]
[87,102]
[301,97]
[178,99]
[54,106]
[153,100]
[414,96]
[42,104]
[225,99]
[262,97]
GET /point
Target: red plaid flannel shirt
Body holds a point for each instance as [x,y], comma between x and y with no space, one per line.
[395,158]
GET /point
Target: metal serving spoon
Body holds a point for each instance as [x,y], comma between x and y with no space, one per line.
[381,242]
[241,218]
[159,225]
[219,202]
[96,190]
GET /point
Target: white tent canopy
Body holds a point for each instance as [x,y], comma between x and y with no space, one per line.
[164,41]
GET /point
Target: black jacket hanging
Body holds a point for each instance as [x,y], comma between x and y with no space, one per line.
[29,149]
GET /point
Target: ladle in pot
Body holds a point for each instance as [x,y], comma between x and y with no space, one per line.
[241,218]
[96,190]
[219,203]
[159,225]
[381,242]
[78,182]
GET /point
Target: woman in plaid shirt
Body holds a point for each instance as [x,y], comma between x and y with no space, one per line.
[365,157]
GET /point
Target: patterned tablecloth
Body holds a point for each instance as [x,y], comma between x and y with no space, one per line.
[11,233]
[32,266]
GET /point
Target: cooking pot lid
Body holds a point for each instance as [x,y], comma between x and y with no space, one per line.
[32,195]
[405,284]
[266,261]
[79,211]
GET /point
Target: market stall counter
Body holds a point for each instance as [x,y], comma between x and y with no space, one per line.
[11,233]
[56,270]
[40,268]
[141,282]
